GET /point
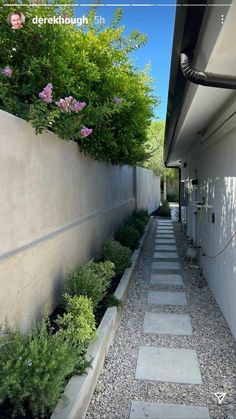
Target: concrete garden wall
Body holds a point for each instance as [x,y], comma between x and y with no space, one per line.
[57,208]
[215,162]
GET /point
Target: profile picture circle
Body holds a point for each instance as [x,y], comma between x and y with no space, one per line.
[16,20]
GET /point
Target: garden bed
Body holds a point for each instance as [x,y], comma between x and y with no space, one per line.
[6,412]
[63,347]
[60,310]
[78,392]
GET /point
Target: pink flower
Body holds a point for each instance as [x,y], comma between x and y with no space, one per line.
[7,72]
[85,132]
[46,94]
[77,106]
[69,104]
[62,104]
[118,100]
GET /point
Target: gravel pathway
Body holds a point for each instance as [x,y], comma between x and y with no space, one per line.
[212,340]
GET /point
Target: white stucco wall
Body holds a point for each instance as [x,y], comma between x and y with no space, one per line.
[148,189]
[215,163]
[57,208]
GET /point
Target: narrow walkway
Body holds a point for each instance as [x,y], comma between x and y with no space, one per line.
[173,349]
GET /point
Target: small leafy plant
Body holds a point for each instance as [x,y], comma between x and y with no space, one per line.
[164,210]
[111,300]
[34,369]
[118,254]
[78,323]
[92,280]
[142,214]
[139,224]
[128,236]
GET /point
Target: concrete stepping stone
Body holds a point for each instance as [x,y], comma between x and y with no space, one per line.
[165,255]
[172,365]
[166,279]
[167,324]
[170,298]
[165,227]
[151,410]
[165,237]
[164,241]
[164,233]
[166,265]
[171,248]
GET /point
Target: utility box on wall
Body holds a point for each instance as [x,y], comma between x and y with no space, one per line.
[182,194]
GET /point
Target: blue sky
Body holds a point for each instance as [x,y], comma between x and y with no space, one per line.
[158,24]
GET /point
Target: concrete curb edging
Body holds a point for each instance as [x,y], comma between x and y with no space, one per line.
[79,390]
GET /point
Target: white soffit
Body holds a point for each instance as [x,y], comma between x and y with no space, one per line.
[215,53]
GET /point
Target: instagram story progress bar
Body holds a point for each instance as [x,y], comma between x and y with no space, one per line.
[119,3]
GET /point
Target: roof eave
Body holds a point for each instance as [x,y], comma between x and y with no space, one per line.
[187,27]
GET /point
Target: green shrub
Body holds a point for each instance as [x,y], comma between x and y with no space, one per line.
[78,323]
[110,300]
[174,197]
[118,254]
[91,279]
[128,236]
[164,210]
[135,222]
[90,63]
[139,224]
[142,214]
[34,369]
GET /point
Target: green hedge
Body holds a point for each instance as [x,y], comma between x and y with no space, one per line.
[91,279]
[164,209]
[85,67]
[128,236]
[118,254]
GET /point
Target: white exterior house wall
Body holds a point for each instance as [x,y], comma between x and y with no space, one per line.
[215,165]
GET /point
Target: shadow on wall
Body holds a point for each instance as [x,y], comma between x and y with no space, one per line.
[216,227]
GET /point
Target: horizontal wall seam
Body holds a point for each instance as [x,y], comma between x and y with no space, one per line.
[60,230]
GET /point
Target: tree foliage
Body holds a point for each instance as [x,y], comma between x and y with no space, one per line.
[92,65]
[156,133]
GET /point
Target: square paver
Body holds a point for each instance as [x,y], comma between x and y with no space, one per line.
[165,235]
[166,265]
[170,298]
[151,410]
[165,241]
[169,247]
[166,279]
[164,232]
[165,255]
[172,365]
[167,324]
